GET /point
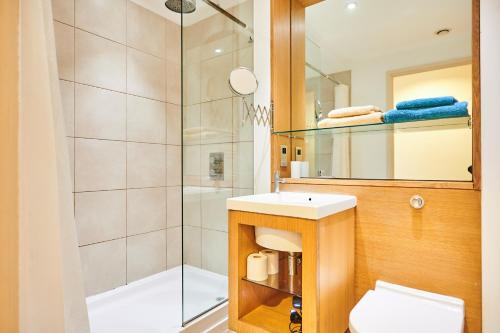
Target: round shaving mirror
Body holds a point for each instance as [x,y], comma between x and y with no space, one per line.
[243,81]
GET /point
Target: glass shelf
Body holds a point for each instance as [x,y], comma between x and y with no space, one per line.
[282,282]
[458,122]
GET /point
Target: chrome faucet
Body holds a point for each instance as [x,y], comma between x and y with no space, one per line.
[277,181]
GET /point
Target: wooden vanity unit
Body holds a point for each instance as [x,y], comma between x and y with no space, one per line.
[325,276]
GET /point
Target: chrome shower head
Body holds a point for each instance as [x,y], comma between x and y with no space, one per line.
[181,6]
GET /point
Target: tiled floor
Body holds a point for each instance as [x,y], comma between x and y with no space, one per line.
[154,304]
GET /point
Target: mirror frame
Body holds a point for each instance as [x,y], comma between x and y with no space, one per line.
[288,61]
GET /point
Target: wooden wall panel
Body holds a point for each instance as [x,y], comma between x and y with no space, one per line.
[476,94]
[437,249]
[298,65]
[9,251]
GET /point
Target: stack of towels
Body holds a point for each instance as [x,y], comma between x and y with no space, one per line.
[426,109]
[352,116]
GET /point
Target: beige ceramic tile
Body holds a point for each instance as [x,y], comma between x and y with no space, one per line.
[64,11]
[100,216]
[242,124]
[99,165]
[174,124]
[174,80]
[214,75]
[239,192]
[68,102]
[145,30]
[192,165]
[226,150]
[65,50]
[71,156]
[145,165]
[173,41]
[192,246]
[243,164]
[146,210]
[100,113]
[223,44]
[104,266]
[192,125]
[217,121]
[174,247]
[146,254]
[99,62]
[215,251]
[104,18]
[174,206]
[145,75]
[146,120]
[191,206]
[213,208]
[243,58]
[191,92]
[174,165]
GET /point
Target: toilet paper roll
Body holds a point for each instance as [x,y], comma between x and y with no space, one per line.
[296,167]
[257,267]
[273,261]
[304,169]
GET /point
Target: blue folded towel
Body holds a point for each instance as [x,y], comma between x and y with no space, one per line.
[424,103]
[449,111]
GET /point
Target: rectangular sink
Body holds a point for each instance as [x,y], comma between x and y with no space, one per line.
[312,206]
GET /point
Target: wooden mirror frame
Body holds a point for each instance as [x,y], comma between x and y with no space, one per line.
[288,61]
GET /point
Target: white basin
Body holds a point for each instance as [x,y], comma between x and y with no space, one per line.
[293,204]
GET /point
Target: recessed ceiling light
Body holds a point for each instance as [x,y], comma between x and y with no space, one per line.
[442,32]
[218,50]
[351,4]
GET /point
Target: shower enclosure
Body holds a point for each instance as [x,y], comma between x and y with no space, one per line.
[157,144]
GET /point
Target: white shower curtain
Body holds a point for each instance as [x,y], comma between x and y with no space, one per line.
[51,289]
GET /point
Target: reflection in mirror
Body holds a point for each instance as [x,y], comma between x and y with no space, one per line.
[366,66]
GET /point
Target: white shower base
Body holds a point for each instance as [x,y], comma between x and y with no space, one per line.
[154,304]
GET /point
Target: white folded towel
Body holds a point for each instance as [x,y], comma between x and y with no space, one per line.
[366,119]
[353,111]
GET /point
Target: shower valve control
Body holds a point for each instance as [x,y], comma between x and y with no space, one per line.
[417,202]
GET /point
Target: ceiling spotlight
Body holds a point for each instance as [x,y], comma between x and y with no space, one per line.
[442,32]
[218,50]
[351,4]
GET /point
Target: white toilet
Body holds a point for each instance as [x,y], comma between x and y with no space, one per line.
[391,308]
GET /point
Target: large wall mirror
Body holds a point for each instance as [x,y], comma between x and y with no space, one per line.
[357,67]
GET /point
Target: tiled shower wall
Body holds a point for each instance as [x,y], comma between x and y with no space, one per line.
[213,124]
[119,67]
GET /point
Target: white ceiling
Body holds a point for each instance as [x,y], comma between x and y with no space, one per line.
[381,27]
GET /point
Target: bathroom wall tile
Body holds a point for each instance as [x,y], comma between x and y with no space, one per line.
[174,247]
[174,124]
[145,75]
[99,165]
[217,121]
[100,216]
[242,125]
[221,45]
[213,208]
[191,206]
[145,30]
[173,41]
[71,155]
[192,165]
[243,164]
[146,255]
[191,80]
[174,80]
[192,246]
[145,165]
[99,62]
[174,166]
[104,18]
[100,113]
[226,150]
[207,30]
[104,266]
[146,120]
[214,251]
[214,74]
[146,210]
[65,50]
[64,11]
[174,206]
[243,57]
[240,192]
[191,125]
[68,103]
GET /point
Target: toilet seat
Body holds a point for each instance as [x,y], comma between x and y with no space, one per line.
[392,308]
